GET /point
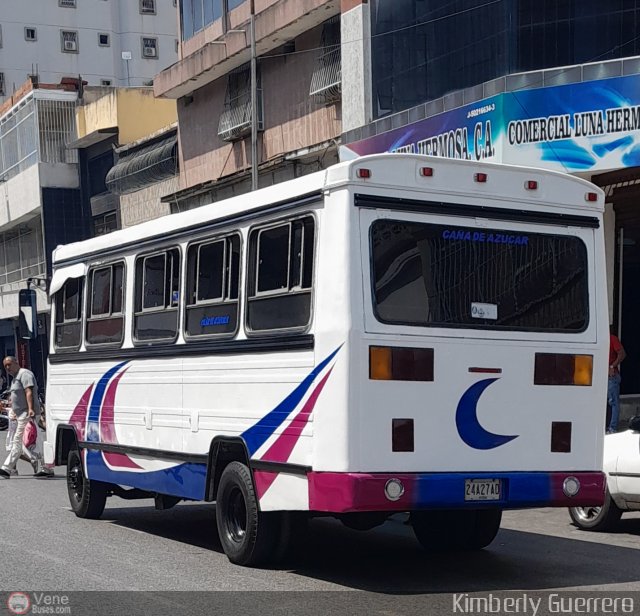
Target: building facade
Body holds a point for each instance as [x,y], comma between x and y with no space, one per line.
[108,42]
[298,91]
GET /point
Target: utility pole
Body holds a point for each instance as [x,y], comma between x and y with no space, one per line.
[254,100]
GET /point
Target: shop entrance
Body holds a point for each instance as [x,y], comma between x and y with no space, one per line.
[623,192]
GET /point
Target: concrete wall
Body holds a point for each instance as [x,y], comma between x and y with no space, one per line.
[145,205]
[20,197]
[135,111]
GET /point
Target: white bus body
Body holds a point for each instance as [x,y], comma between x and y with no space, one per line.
[396,333]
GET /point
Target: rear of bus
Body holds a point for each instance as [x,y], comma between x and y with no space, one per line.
[478,375]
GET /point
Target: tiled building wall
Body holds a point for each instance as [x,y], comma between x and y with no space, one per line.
[145,204]
[292,120]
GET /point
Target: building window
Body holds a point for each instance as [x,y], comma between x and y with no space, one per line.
[177,45]
[213,278]
[68,303]
[69,41]
[105,322]
[157,296]
[148,7]
[198,14]
[0,36]
[103,40]
[235,120]
[149,47]
[280,276]
[30,34]
[105,82]
[70,4]
[1,84]
[106,223]
[326,80]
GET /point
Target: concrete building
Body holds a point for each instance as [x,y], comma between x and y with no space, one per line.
[40,205]
[298,89]
[108,42]
[126,142]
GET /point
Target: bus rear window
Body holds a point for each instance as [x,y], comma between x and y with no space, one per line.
[442,275]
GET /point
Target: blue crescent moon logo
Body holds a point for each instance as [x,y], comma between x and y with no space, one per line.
[469,428]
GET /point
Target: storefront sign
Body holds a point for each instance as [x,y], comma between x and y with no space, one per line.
[588,126]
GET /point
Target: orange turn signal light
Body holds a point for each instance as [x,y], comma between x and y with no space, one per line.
[400,364]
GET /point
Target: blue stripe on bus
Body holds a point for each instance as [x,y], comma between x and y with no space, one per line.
[256,435]
[93,420]
[185,480]
[448,489]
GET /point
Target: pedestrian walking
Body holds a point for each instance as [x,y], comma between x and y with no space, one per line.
[616,355]
[25,406]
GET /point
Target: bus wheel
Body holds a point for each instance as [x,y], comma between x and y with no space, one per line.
[441,530]
[87,497]
[596,518]
[248,536]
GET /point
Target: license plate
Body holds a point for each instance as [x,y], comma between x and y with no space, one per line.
[482,489]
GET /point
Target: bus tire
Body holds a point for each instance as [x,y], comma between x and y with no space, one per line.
[596,518]
[247,535]
[456,530]
[87,496]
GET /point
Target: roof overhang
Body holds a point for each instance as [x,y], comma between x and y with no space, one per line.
[96,136]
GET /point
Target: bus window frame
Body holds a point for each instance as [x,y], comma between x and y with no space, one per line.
[222,237]
[111,315]
[261,295]
[155,310]
[80,319]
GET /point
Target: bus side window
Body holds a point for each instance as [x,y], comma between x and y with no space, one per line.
[105,321]
[68,306]
[280,276]
[157,296]
[213,272]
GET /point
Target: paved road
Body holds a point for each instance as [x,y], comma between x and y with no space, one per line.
[44,546]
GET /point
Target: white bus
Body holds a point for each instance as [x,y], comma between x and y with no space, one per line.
[398,333]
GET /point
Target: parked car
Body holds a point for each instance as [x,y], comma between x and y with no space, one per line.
[622,465]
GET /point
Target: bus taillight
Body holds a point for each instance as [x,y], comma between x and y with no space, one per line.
[400,364]
[563,369]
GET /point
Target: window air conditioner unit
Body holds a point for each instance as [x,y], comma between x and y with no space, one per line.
[69,45]
[149,52]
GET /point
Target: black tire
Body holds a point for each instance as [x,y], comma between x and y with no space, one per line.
[87,496]
[456,530]
[596,518]
[247,535]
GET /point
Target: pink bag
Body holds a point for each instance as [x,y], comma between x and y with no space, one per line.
[30,435]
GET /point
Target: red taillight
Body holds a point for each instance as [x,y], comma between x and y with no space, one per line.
[561,436]
[400,364]
[426,172]
[363,173]
[480,177]
[563,369]
[402,435]
[531,185]
[591,196]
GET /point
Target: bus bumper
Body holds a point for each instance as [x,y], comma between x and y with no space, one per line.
[345,492]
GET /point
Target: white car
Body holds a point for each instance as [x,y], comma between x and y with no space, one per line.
[622,465]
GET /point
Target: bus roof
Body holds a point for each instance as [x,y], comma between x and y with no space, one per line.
[397,171]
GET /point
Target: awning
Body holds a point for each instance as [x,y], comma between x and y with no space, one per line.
[61,275]
[144,166]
